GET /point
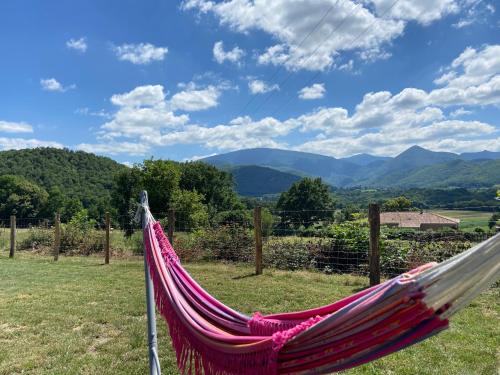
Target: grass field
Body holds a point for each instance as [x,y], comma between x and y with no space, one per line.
[78,316]
[468,219]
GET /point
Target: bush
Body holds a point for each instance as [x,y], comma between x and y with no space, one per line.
[188,247]
[438,251]
[287,253]
[394,257]
[80,237]
[37,239]
[82,242]
[226,242]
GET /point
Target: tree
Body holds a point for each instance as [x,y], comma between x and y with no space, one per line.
[161,180]
[125,195]
[307,201]
[214,185]
[190,211]
[21,197]
[397,204]
[493,220]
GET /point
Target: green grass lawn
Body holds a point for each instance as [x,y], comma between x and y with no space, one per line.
[78,316]
[468,219]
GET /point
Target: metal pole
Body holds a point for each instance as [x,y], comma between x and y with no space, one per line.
[154,363]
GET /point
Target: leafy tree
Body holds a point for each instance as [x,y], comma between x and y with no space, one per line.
[55,202]
[82,221]
[71,208]
[191,213]
[214,185]
[21,197]
[125,195]
[161,180]
[397,204]
[307,201]
[493,220]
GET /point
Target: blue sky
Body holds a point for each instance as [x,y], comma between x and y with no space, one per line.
[180,80]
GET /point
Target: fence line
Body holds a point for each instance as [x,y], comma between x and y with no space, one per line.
[288,240]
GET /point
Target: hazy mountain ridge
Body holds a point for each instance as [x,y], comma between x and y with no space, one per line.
[414,167]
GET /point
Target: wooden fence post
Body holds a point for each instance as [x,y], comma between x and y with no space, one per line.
[374,253]
[12,236]
[57,236]
[257,225]
[171,225]
[107,244]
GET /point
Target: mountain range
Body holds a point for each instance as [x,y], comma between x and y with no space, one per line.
[415,167]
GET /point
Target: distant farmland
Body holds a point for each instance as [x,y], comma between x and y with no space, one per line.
[468,219]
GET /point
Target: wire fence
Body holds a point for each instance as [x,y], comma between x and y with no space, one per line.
[291,240]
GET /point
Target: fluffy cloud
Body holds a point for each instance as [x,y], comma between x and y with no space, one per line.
[319,20]
[195,99]
[114,148]
[313,34]
[79,45]
[316,91]
[422,11]
[257,86]
[51,84]
[478,12]
[141,96]
[20,143]
[15,127]
[234,55]
[381,123]
[141,54]
[142,112]
[240,132]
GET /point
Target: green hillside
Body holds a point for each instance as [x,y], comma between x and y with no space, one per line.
[257,181]
[78,174]
[456,173]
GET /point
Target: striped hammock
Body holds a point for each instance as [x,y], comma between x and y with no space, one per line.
[211,338]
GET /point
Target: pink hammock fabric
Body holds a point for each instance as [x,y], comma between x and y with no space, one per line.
[211,338]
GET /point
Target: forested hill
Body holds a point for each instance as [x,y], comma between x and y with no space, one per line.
[86,177]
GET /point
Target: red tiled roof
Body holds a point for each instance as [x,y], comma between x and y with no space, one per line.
[415,219]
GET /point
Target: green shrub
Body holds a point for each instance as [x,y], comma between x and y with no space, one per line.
[36,239]
[81,242]
[438,251]
[226,242]
[394,257]
[287,253]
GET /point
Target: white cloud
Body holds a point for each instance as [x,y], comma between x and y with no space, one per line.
[114,148]
[79,45]
[15,127]
[315,91]
[195,99]
[422,11]
[199,157]
[360,29]
[240,132]
[472,67]
[478,12]
[20,143]
[85,111]
[459,112]
[141,96]
[142,112]
[257,86]
[381,123]
[51,84]
[234,55]
[141,53]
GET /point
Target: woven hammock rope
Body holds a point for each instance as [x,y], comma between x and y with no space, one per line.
[213,339]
